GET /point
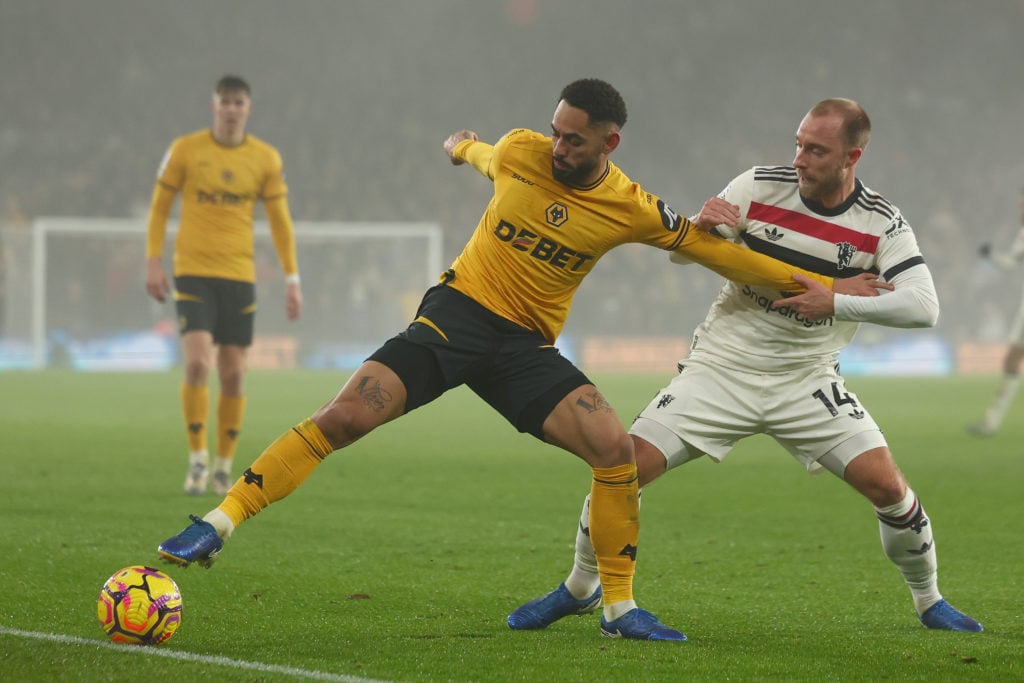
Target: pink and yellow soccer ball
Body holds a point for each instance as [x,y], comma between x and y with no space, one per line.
[140,606]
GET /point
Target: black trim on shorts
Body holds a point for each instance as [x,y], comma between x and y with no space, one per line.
[416,366]
[531,419]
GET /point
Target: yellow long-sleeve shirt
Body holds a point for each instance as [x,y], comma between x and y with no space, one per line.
[538,238]
[219,186]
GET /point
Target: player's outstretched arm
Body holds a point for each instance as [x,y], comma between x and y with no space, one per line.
[464,145]
[740,264]
[453,140]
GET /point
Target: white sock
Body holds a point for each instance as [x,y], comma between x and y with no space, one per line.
[583,580]
[199,457]
[222,464]
[221,522]
[907,540]
[613,612]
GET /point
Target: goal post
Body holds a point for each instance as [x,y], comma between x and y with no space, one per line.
[89,305]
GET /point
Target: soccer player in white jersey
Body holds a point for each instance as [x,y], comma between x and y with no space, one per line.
[818,215]
[1010,382]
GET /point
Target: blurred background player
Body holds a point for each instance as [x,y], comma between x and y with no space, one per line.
[220,173]
[1010,382]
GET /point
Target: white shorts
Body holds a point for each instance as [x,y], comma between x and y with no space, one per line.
[707,408]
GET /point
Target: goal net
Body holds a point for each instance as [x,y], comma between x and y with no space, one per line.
[361,283]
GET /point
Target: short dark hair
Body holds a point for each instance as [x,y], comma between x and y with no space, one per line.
[856,124]
[232,83]
[600,100]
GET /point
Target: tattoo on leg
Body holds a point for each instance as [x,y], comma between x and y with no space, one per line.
[594,402]
[374,395]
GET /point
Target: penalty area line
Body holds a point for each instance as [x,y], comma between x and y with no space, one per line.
[187,656]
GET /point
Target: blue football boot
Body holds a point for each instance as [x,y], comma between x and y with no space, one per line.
[639,624]
[199,543]
[943,615]
[543,611]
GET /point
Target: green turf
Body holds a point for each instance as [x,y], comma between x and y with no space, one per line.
[401,557]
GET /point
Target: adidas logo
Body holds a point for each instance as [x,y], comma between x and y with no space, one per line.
[773,234]
[925,547]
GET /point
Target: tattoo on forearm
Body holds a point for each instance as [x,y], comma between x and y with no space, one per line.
[374,395]
[594,402]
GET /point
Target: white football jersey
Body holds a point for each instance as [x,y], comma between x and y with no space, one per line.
[864,234]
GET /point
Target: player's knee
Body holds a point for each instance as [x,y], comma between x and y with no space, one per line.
[650,462]
[339,429]
[875,475]
[197,371]
[883,488]
[231,381]
[343,421]
[884,494]
[611,451]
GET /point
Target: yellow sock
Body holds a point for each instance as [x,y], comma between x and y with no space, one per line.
[279,470]
[195,404]
[615,529]
[230,410]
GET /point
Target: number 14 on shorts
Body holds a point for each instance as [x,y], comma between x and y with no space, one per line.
[839,399]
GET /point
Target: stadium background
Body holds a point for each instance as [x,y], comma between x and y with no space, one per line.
[358,96]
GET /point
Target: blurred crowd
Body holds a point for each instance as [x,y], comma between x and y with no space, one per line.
[359,96]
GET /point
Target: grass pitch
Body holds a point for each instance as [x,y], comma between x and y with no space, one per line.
[400,558]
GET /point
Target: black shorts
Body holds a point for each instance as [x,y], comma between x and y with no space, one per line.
[225,308]
[454,340]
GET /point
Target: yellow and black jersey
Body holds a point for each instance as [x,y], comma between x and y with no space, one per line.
[538,238]
[219,186]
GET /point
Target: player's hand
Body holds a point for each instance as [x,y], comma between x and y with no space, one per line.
[157,285]
[716,211]
[817,303]
[454,139]
[865,284]
[985,250]
[293,301]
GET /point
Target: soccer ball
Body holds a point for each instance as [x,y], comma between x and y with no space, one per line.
[140,606]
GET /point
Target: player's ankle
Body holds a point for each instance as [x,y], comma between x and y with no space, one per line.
[617,609]
[221,522]
[582,583]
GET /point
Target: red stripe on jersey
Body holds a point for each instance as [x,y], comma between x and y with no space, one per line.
[813,227]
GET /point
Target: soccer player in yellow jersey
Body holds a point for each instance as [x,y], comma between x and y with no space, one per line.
[220,173]
[491,323]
